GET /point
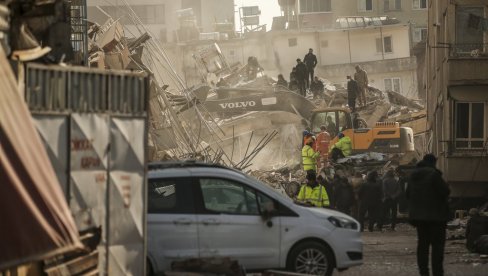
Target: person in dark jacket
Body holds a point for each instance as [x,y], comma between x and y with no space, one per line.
[391,194]
[311,61]
[352,93]
[282,83]
[344,196]
[301,76]
[428,196]
[317,87]
[293,85]
[370,200]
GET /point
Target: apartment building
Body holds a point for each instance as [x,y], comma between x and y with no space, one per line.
[457,92]
[161,17]
[322,14]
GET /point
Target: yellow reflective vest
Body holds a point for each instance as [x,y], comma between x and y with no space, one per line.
[309,158]
[344,144]
[317,196]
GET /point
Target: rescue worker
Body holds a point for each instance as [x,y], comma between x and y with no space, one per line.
[361,77]
[301,77]
[352,93]
[281,83]
[311,61]
[317,88]
[342,148]
[313,193]
[309,156]
[322,146]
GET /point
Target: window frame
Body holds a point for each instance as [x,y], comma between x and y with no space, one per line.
[360,6]
[188,202]
[392,79]
[483,139]
[383,45]
[417,33]
[390,2]
[326,2]
[420,5]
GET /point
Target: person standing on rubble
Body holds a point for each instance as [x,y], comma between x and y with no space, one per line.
[342,148]
[322,146]
[352,93]
[293,85]
[428,211]
[309,155]
[282,83]
[391,195]
[312,192]
[361,77]
[317,88]
[311,61]
[370,195]
[301,76]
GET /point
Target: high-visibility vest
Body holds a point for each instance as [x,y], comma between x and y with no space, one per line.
[317,196]
[309,158]
[345,145]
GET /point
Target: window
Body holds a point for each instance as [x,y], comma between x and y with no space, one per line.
[420,34]
[309,6]
[469,28]
[387,45]
[170,196]
[324,43]
[470,125]
[393,5]
[393,84]
[225,196]
[365,5]
[292,42]
[419,4]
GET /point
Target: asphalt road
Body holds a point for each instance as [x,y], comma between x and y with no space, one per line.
[394,253]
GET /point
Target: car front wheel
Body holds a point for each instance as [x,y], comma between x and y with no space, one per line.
[311,258]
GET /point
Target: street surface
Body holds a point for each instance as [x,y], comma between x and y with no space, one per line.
[394,253]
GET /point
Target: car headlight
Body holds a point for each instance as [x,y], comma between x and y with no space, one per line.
[342,222]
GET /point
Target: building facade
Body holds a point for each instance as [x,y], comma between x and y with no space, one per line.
[322,14]
[161,18]
[457,93]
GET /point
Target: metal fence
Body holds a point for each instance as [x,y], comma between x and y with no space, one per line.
[94,126]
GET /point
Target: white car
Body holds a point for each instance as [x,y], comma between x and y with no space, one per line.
[200,210]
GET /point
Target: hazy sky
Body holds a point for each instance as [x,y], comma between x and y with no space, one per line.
[269,9]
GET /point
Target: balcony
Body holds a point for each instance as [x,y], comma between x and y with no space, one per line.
[468,62]
[468,50]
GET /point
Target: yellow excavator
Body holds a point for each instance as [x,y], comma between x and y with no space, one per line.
[384,137]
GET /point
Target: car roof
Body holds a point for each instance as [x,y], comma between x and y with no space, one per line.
[193,168]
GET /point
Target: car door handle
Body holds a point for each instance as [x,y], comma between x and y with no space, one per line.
[182,221]
[210,222]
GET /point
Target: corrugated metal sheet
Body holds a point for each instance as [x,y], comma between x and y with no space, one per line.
[53,130]
[93,123]
[126,195]
[80,89]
